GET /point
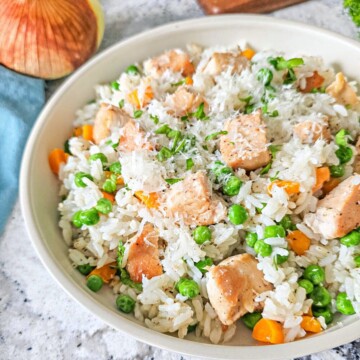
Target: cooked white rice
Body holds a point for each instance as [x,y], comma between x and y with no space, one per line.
[159,305]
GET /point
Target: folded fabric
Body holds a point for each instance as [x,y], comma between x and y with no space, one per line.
[21,99]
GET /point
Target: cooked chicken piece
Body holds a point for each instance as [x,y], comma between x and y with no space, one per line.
[313,82]
[110,117]
[143,258]
[174,60]
[245,144]
[342,91]
[339,212]
[309,131]
[233,286]
[191,201]
[219,62]
[357,157]
[184,101]
[133,138]
[107,118]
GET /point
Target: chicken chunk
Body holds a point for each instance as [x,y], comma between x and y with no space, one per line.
[184,101]
[107,118]
[133,138]
[174,60]
[143,258]
[342,91]
[220,62]
[191,201]
[309,131]
[110,117]
[357,157]
[314,81]
[339,212]
[244,146]
[233,286]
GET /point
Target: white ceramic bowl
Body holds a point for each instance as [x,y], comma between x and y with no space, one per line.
[39,187]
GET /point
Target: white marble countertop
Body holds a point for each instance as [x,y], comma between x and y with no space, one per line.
[38,320]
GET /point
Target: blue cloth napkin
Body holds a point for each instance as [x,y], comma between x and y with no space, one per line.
[21,99]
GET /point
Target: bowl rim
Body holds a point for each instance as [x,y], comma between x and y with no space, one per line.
[297,348]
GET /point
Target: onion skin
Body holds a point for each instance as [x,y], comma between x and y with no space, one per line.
[49,39]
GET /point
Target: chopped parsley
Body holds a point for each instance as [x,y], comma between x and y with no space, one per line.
[173,181]
[137,113]
[189,164]
[215,135]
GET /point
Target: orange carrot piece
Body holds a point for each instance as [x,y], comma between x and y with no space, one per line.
[87,132]
[298,242]
[77,131]
[108,196]
[133,99]
[330,185]
[56,158]
[248,53]
[150,201]
[310,324]
[120,180]
[148,96]
[322,175]
[189,80]
[106,272]
[313,82]
[291,187]
[269,331]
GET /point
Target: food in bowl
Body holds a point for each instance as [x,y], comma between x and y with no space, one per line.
[211,185]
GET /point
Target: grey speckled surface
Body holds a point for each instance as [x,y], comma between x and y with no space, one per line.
[37,319]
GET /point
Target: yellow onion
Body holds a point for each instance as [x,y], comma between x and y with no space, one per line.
[49,38]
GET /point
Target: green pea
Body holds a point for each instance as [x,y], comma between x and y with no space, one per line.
[307,285]
[78,179]
[337,171]
[232,186]
[344,305]
[188,287]
[85,269]
[191,328]
[280,259]
[262,248]
[132,70]
[351,239]
[103,206]
[109,186]
[201,234]
[220,170]
[251,239]
[76,219]
[325,312]
[237,214]
[115,85]
[287,223]
[315,274]
[320,296]
[89,217]
[357,260]
[265,76]
[273,231]
[99,156]
[115,168]
[202,264]
[250,319]
[94,283]
[344,154]
[125,303]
